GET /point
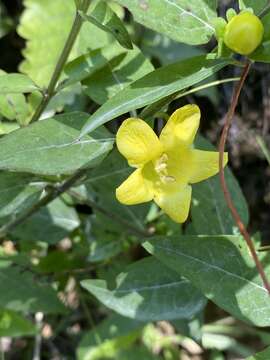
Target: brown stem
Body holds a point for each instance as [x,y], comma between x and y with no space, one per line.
[228,198]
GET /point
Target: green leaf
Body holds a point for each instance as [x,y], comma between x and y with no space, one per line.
[263,355]
[155,86]
[149,291]
[103,17]
[222,268]
[14,325]
[210,212]
[21,291]
[114,327]
[16,83]
[262,54]
[117,75]
[14,106]
[187,21]
[18,192]
[89,63]
[51,224]
[58,16]
[50,147]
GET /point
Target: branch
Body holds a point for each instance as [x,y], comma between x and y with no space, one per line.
[228,198]
[52,193]
[48,94]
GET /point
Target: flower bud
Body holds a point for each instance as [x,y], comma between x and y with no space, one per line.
[244,33]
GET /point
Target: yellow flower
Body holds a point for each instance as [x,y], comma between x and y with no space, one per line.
[165,166]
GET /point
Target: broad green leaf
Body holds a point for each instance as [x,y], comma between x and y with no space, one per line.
[103,17]
[21,291]
[117,75]
[187,21]
[155,86]
[210,212]
[58,16]
[263,355]
[87,64]
[50,224]
[222,268]
[14,325]
[101,183]
[149,291]
[16,83]
[18,191]
[50,146]
[112,328]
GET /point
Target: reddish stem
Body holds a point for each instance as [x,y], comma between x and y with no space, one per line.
[228,198]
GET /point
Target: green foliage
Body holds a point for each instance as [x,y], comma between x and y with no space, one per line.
[103,17]
[50,147]
[76,278]
[221,267]
[148,291]
[14,325]
[187,21]
[155,86]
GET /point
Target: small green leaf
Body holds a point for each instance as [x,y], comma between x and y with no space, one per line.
[149,291]
[103,17]
[155,86]
[222,268]
[14,325]
[188,21]
[50,147]
[16,83]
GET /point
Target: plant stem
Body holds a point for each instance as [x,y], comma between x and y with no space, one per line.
[51,195]
[48,94]
[228,198]
[113,216]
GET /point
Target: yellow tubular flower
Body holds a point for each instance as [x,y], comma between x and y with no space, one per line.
[165,166]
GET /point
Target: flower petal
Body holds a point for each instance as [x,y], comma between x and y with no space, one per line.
[175,204]
[204,164]
[134,190]
[137,142]
[181,127]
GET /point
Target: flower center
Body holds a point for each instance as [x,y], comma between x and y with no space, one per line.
[161,167]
